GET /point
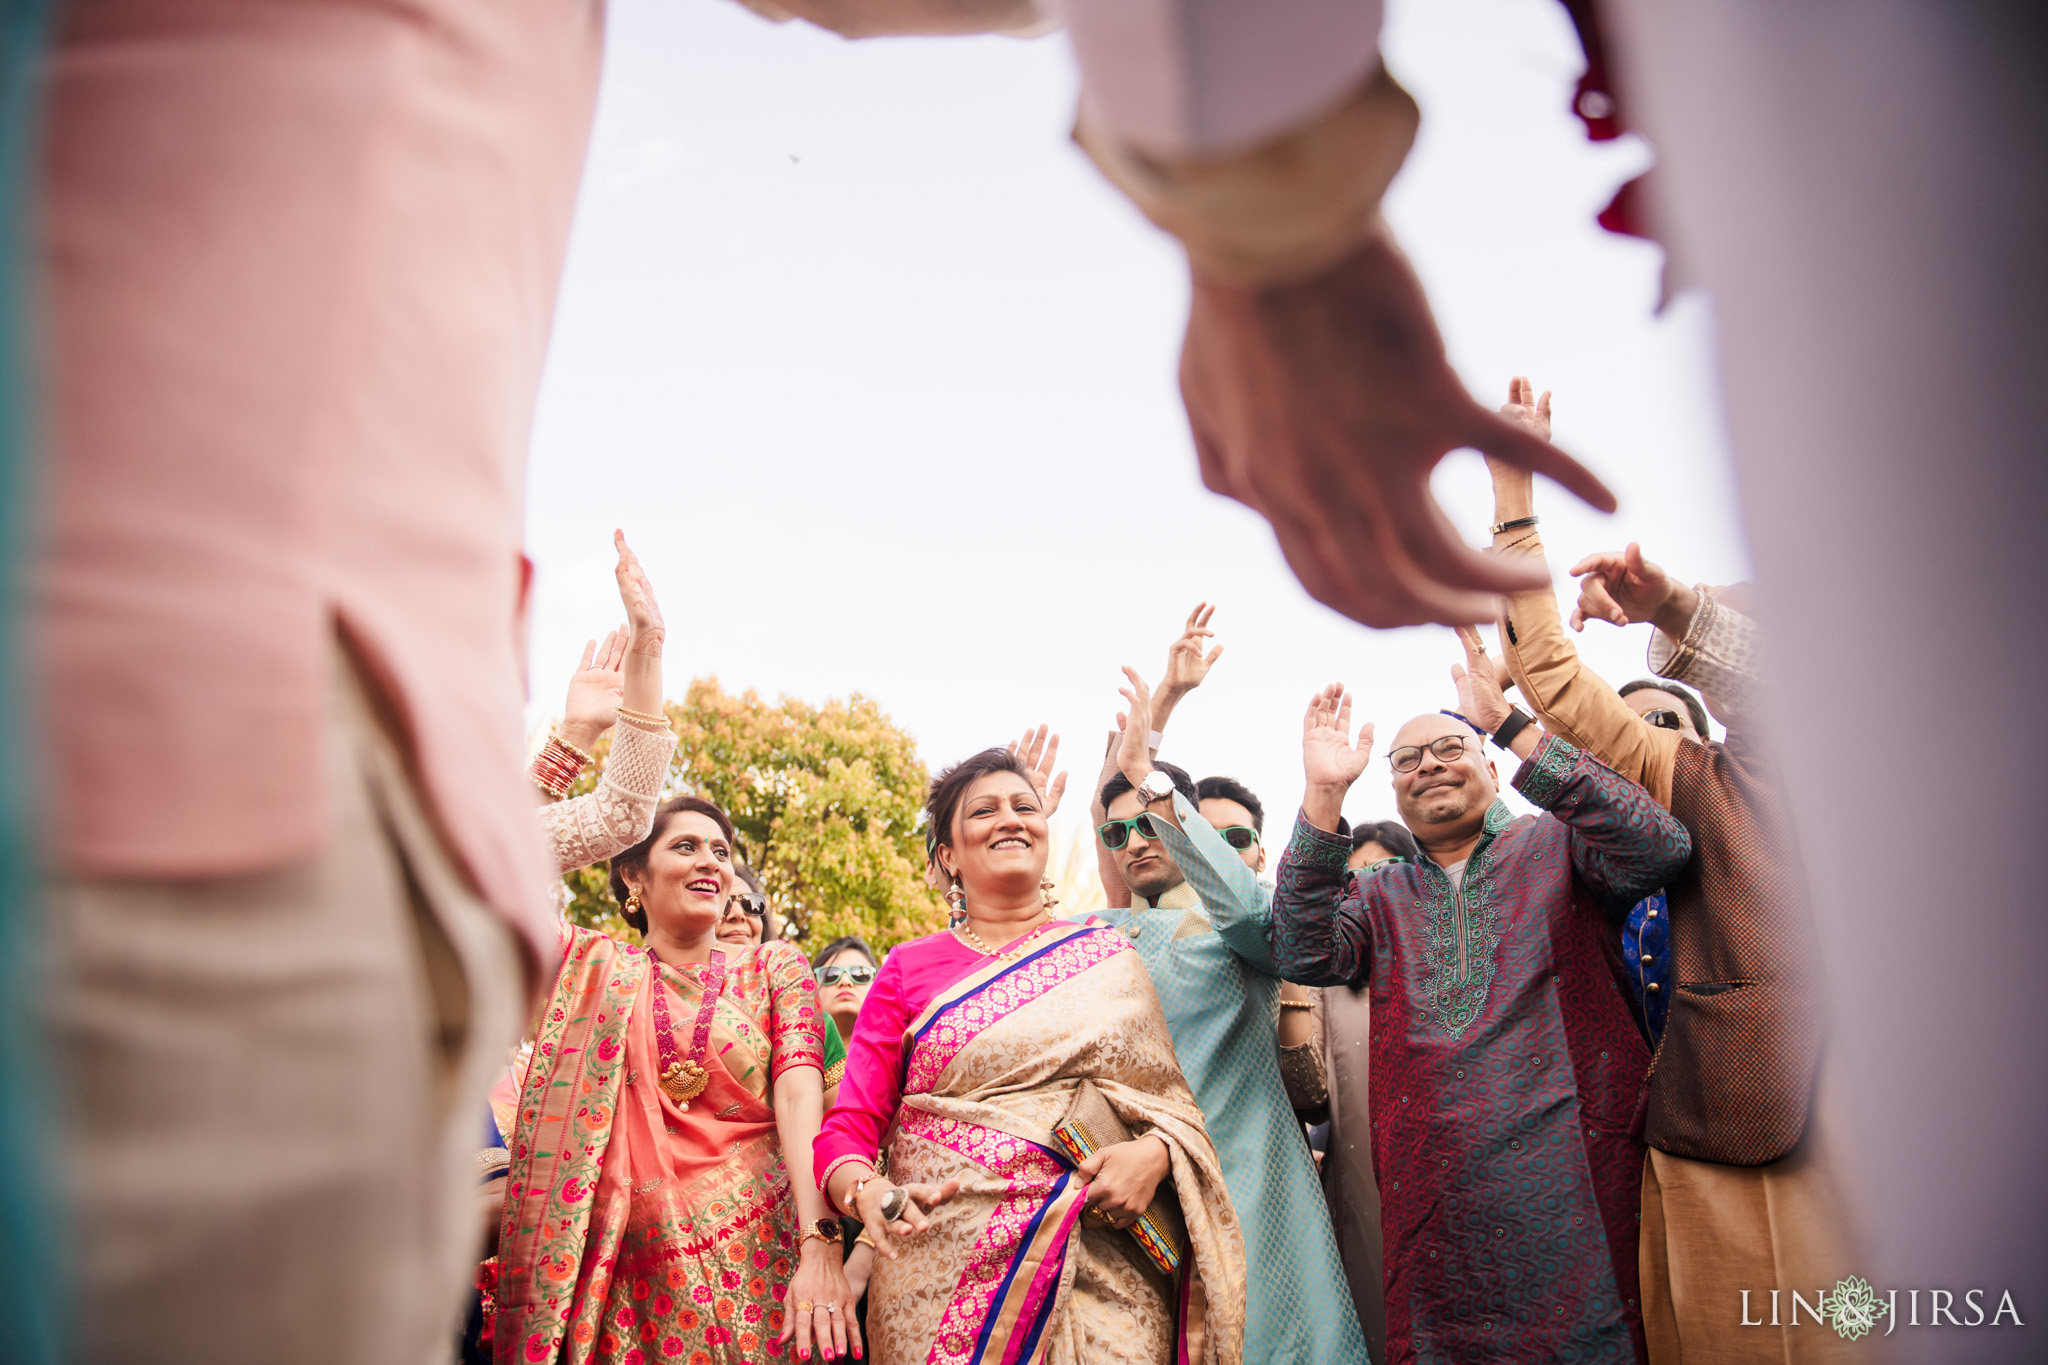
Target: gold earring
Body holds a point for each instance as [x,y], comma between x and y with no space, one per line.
[633,906]
[1045,886]
[956,897]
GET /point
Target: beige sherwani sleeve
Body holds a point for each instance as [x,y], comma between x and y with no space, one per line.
[1573,702]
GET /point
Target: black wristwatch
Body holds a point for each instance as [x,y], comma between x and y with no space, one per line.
[1518,720]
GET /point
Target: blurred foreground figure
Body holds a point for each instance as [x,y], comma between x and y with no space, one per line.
[299,264]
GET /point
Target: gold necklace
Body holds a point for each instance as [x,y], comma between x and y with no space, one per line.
[974,940]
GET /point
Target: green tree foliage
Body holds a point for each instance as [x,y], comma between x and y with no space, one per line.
[826,801]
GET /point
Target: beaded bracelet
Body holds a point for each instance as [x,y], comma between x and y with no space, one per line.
[557,766]
[642,719]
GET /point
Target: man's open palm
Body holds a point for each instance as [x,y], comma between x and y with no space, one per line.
[1328,757]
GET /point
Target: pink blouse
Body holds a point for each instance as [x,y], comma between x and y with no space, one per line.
[911,975]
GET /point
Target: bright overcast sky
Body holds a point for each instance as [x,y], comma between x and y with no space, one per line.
[878,376]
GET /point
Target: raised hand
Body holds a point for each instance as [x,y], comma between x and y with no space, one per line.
[1621,587]
[1134,752]
[1186,665]
[1526,410]
[596,690]
[1479,696]
[1039,751]
[1324,405]
[643,613]
[1328,757]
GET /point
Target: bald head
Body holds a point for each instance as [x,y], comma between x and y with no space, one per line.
[1441,796]
[1434,725]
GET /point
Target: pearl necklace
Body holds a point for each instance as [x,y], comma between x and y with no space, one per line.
[974,940]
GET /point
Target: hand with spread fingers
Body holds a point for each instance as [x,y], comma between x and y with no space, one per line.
[1324,405]
[596,691]
[1039,750]
[1329,759]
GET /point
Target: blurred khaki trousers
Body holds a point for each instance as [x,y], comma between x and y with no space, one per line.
[276,1085]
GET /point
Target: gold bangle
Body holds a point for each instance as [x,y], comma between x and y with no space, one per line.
[1297,1004]
[627,713]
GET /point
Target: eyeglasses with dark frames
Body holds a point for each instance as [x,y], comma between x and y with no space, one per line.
[853,973]
[1446,748]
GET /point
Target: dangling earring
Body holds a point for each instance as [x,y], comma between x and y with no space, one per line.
[956,897]
[1045,886]
[633,906]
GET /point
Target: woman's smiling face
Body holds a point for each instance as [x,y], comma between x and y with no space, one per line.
[689,875]
[999,836]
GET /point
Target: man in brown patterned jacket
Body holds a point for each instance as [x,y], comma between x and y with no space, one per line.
[1741,1189]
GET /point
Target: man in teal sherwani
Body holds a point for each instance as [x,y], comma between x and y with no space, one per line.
[1224,1012]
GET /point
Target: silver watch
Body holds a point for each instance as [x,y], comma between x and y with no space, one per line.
[1157,786]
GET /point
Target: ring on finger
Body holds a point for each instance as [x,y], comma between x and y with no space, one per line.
[831,1308]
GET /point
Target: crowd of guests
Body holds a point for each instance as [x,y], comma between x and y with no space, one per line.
[1529,1088]
[279,282]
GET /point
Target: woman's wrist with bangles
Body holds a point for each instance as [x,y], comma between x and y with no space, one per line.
[557,766]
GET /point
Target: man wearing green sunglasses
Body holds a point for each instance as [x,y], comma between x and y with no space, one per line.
[1222,1011]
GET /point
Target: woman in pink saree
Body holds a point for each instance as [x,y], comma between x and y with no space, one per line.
[660,1207]
[967,1053]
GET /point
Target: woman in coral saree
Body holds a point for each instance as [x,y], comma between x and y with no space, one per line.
[968,1051]
[660,1206]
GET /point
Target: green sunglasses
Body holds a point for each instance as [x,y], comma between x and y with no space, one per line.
[1239,837]
[1117,833]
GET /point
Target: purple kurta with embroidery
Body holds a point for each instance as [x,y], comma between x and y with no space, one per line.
[1505,1062]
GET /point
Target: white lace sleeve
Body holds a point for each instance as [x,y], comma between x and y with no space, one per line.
[619,813]
[1718,656]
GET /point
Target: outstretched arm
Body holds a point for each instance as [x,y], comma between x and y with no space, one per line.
[620,811]
[1570,699]
[1186,667]
[1320,935]
[1238,906]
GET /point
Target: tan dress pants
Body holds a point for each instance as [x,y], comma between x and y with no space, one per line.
[276,1088]
[1712,1231]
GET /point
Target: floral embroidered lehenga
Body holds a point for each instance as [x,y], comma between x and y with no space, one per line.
[639,1230]
[962,1064]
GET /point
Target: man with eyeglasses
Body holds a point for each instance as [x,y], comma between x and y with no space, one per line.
[1742,1188]
[1505,1064]
[1222,1010]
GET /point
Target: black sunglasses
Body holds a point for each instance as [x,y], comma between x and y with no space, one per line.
[757,906]
[1117,833]
[854,973]
[1239,836]
[1664,720]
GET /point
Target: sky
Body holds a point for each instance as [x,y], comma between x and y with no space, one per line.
[878,376]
